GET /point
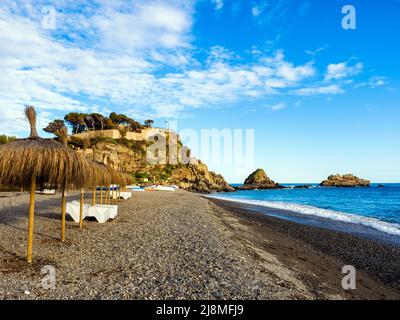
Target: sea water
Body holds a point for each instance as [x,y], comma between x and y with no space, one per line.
[376,207]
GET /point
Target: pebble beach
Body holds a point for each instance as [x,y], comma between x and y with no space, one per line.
[166,245]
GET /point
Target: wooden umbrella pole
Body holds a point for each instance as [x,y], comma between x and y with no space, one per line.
[81,209]
[31,219]
[94,196]
[63,213]
[110,201]
[101,195]
[111,195]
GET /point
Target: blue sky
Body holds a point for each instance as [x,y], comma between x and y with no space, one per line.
[320,99]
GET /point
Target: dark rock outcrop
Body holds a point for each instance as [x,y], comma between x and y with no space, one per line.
[305,186]
[259,180]
[195,176]
[347,180]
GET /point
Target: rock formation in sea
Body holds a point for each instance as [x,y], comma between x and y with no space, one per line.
[303,186]
[347,180]
[259,180]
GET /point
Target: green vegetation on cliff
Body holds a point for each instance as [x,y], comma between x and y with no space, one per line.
[4,139]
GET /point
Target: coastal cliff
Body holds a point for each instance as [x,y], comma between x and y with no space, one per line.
[259,180]
[131,156]
[195,176]
[347,180]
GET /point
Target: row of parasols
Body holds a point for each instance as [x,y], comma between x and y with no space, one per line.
[36,162]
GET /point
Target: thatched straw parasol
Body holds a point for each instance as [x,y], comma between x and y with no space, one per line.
[100,176]
[37,161]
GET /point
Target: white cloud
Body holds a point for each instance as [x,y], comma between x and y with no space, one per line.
[377,81]
[373,83]
[134,57]
[316,51]
[291,73]
[342,70]
[61,77]
[331,89]
[278,106]
[146,26]
[218,4]
[256,11]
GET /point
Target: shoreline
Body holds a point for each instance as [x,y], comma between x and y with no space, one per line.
[378,260]
[355,226]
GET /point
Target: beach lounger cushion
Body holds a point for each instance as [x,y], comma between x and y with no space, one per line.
[123,195]
[101,213]
[73,209]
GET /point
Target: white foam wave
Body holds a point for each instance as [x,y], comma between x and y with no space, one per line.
[391,228]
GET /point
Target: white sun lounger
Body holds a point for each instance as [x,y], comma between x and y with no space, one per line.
[47,192]
[73,209]
[123,195]
[101,213]
[113,209]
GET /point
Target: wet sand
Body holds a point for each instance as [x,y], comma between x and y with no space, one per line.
[170,245]
[322,251]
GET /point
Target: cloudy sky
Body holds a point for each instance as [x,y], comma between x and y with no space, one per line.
[320,99]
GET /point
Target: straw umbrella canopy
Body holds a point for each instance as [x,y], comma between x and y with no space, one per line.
[103,178]
[99,176]
[36,161]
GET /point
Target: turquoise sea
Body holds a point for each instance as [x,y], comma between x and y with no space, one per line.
[361,210]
